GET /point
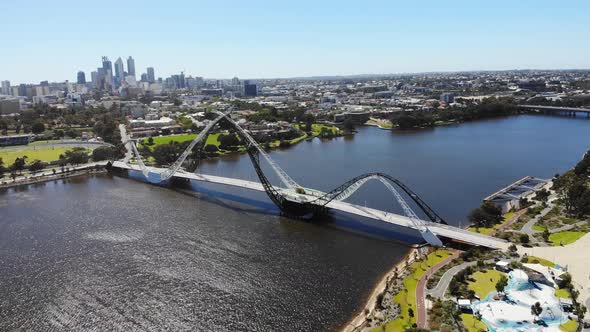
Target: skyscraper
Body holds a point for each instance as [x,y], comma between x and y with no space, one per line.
[81,77]
[6,87]
[94,79]
[107,67]
[151,77]
[119,72]
[131,66]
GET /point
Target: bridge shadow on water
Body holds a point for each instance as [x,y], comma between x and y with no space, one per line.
[257,203]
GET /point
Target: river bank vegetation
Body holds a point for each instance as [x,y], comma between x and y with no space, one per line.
[488,108]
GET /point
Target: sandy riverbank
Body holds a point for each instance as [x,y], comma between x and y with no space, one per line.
[359,321]
[574,257]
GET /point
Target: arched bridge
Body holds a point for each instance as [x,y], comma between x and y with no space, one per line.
[296,200]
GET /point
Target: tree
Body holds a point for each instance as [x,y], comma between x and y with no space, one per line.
[36,166]
[536,310]
[348,124]
[512,248]
[487,215]
[103,153]
[77,156]
[546,234]
[229,141]
[38,127]
[309,119]
[580,311]
[150,141]
[211,148]
[524,238]
[165,154]
[410,312]
[501,284]
[2,169]
[542,195]
[19,164]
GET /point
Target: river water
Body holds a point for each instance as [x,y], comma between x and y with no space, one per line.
[111,253]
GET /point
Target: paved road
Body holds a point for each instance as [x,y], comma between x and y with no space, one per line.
[528,227]
[422,313]
[441,288]
[125,141]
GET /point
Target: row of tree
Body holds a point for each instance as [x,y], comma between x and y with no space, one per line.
[487,108]
[573,188]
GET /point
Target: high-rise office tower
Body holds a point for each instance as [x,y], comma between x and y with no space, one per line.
[6,87]
[151,77]
[94,79]
[119,72]
[131,67]
[81,77]
[107,67]
[182,81]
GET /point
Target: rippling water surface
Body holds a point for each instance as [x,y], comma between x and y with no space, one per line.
[109,253]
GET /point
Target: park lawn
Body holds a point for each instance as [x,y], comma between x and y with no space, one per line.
[484,283]
[570,326]
[43,154]
[562,292]
[539,228]
[316,129]
[541,261]
[159,140]
[473,324]
[406,298]
[563,238]
[488,230]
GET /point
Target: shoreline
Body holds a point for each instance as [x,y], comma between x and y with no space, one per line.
[358,321]
[52,177]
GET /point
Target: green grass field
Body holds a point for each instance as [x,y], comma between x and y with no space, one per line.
[563,238]
[159,140]
[488,230]
[562,292]
[570,326]
[43,154]
[539,260]
[473,324]
[211,139]
[407,297]
[539,228]
[484,282]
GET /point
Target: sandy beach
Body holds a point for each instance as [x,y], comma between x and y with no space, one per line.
[358,323]
[575,257]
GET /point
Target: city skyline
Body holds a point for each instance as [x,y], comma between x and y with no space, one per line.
[267,40]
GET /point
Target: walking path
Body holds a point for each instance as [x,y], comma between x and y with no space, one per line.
[528,227]
[441,288]
[422,313]
[567,227]
[509,223]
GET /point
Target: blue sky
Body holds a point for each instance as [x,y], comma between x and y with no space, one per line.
[52,40]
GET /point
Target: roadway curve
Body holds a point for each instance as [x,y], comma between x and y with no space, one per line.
[422,313]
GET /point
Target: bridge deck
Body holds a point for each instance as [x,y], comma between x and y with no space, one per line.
[398,220]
